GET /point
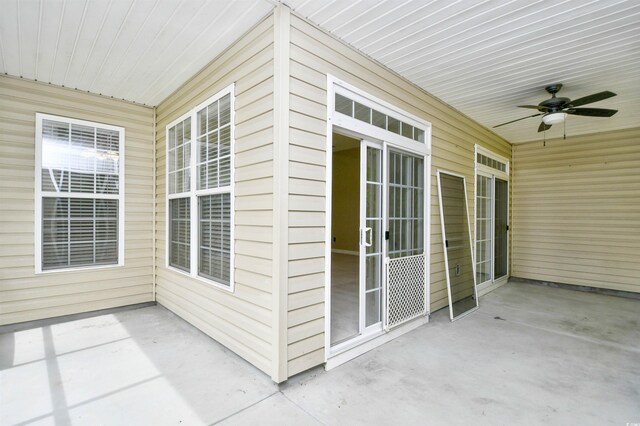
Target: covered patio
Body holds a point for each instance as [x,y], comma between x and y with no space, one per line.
[530,355]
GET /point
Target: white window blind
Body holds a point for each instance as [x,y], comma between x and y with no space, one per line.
[180,233]
[79,204]
[200,216]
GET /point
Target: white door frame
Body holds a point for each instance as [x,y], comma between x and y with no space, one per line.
[486,171]
[361,130]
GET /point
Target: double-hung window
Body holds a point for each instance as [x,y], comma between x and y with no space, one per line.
[79,194]
[200,191]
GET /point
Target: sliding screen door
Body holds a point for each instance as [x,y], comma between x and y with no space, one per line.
[501,205]
[457,244]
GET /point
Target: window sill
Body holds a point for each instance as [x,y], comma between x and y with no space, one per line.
[228,288]
[79,269]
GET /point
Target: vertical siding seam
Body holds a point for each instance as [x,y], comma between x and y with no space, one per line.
[154,217]
[281,49]
[512,182]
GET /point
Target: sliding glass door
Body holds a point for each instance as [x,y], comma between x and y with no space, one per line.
[371,232]
[492,213]
[484,197]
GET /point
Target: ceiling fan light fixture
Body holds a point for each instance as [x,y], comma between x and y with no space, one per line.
[554,118]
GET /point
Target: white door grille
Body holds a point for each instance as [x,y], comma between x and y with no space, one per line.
[406,290]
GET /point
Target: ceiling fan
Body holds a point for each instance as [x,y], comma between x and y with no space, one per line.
[555,110]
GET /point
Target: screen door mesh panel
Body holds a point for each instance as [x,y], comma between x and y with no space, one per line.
[406,283]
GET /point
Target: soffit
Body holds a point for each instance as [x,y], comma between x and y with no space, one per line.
[481,57]
[137,50]
[486,57]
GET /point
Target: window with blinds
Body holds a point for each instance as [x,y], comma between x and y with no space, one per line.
[79,193]
[200,196]
[179,148]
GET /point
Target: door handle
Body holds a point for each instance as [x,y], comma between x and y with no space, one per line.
[367,242]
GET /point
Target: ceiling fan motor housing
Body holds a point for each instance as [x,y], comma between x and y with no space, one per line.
[555,104]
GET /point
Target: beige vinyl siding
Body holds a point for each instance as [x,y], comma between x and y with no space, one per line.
[313,55]
[576,210]
[241,320]
[24,295]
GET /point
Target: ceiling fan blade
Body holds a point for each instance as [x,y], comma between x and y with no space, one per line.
[513,121]
[538,107]
[543,127]
[591,98]
[592,112]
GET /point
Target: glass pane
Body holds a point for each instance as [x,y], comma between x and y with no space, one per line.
[374,200]
[373,308]
[179,161]
[106,252]
[393,125]
[362,113]
[179,233]
[225,110]
[214,149]
[407,130]
[75,232]
[379,119]
[344,105]
[224,169]
[212,117]
[215,237]
[501,222]
[224,141]
[202,121]
[374,165]
[373,265]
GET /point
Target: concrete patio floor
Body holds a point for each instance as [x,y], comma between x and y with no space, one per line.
[530,355]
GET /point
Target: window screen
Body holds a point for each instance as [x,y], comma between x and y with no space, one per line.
[406,205]
[80,200]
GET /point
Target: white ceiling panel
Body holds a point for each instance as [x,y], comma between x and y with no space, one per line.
[482,57]
[138,50]
[486,57]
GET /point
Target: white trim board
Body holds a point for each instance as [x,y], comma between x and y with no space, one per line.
[373,342]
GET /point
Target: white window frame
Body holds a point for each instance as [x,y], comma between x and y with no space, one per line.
[194,194]
[486,169]
[39,194]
